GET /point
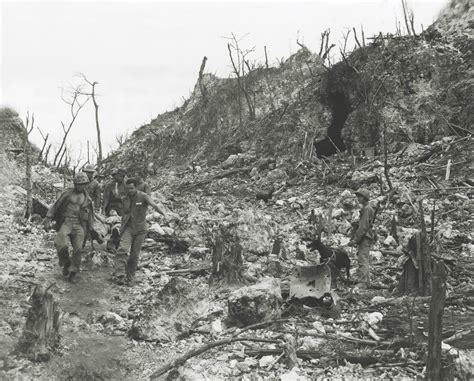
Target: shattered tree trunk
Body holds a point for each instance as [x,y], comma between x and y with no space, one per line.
[438,296]
[41,332]
[227,262]
[416,276]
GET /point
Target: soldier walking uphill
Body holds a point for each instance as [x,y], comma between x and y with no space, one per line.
[93,188]
[73,213]
[364,237]
[133,231]
[114,192]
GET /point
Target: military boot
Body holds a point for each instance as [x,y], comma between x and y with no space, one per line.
[64,260]
[73,277]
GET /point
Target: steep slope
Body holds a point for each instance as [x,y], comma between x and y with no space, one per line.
[416,88]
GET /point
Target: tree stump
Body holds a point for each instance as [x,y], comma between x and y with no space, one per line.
[41,332]
[416,276]
[227,261]
[438,297]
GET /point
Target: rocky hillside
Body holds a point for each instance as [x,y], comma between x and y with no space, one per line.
[413,88]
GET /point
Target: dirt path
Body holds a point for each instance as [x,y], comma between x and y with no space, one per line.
[96,316]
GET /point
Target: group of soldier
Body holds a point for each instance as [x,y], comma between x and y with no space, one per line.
[74,216]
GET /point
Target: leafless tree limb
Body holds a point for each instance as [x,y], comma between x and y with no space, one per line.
[266,57]
[239,71]
[406,16]
[355,37]
[45,141]
[93,95]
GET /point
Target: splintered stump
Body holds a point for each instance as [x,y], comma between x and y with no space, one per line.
[227,262]
[416,276]
[438,298]
[41,332]
[254,304]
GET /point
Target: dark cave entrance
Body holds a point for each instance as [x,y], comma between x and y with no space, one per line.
[332,143]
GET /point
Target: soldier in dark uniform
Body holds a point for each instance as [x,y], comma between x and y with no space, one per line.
[93,188]
[133,230]
[114,192]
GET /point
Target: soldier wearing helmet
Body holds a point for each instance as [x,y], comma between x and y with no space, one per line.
[93,188]
[364,237]
[73,213]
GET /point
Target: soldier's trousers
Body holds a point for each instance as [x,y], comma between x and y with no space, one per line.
[126,260]
[73,230]
[363,250]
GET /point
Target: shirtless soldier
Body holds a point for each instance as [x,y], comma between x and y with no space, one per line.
[73,213]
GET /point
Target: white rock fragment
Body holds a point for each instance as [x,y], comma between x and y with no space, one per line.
[265,361]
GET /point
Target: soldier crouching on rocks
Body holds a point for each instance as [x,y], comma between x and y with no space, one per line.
[73,213]
[132,231]
[364,237]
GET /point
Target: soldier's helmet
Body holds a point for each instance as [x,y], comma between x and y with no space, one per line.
[364,193]
[81,178]
[88,168]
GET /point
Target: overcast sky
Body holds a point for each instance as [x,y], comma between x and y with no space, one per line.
[146,54]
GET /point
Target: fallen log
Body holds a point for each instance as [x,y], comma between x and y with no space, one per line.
[196,352]
[216,177]
[202,269]
[354,358]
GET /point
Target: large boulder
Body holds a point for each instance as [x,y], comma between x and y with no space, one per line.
[257,303]
[170,312]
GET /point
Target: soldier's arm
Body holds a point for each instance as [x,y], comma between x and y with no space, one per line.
[155,206]
[147,189]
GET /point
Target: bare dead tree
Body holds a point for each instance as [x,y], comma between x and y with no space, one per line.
[93,95]
[324,36]
[355,38]
[238,66]
[300,44]
[325,48]
[47,154]
[75,106]
[266,57]
[345,36]
[202,86]
[28,127]
[63,153]
[120,139]
[411,17]
[362,34]
[406,16]
[45,141]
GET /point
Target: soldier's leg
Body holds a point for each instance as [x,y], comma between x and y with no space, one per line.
[60,242]
[132,262]
[363,271]
[78,236]
[122,253]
